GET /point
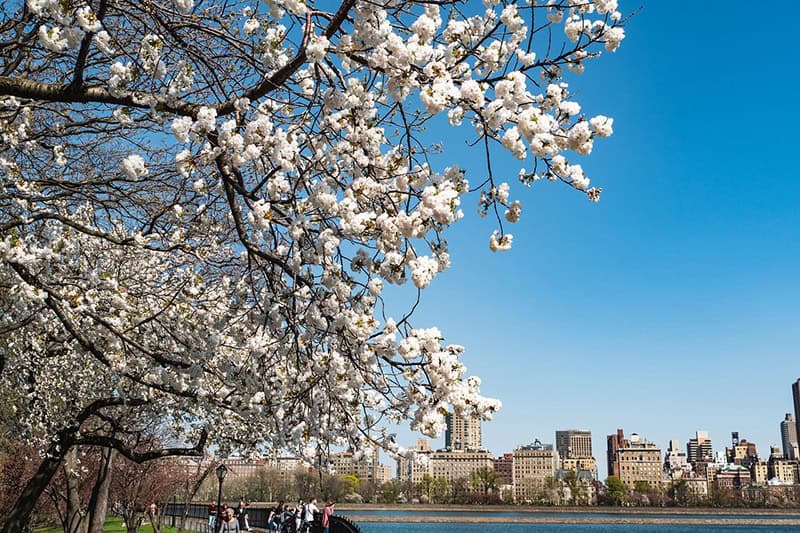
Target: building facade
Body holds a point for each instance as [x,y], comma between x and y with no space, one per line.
[463,433]
[458,465]
[796,398]
[415,467]
[741,451]
[635,460]
[676,464]
[699,448]
[791,449]
[533,465]
[784,470]
[574,443]
[504,466]
[364,466]
[613,443]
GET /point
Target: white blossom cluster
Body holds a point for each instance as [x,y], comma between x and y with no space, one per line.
[214,232]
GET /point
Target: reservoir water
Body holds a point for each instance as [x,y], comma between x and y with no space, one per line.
[443,521]
[754,515]
[397,527]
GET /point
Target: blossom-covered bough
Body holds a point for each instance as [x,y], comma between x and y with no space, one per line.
[202,201]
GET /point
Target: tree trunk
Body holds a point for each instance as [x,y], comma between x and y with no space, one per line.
[20,514]
[155,520]
[98,504]
[191,493]
[133,520]
[74,519]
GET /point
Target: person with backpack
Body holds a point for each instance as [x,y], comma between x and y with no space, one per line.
[274,520]
[287,520]
[308,515]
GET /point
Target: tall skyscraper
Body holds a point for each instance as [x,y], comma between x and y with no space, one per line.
[796,396]
[574,443]
[463,433]
[791,450]
[699,448]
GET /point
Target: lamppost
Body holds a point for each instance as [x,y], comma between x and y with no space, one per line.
[221,471]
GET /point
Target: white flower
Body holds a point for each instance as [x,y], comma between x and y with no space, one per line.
[375,286]
[513,143]
[59,156]
[133,166]
[555,16]
[52,39]
[317,47]
[472,93]
[206,120]
[423,269]
[605,6]
[614,37]
[514,211]
[579,181]
[183,160]
[579,138]
[500,243]
[87,20]
[570,108]
[181,127]
[526,58]
[184,6]
[251,26]
[260,211]
[122,115]
[121,75]
[150,55]
[102,40]
[602,125]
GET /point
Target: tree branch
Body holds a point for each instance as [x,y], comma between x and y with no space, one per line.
[141,457]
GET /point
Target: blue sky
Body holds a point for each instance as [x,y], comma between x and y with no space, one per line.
[671,305]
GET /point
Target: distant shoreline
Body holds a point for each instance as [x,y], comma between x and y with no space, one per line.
[533,510]
[575,519]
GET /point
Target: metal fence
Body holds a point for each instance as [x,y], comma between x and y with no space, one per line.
[258,515]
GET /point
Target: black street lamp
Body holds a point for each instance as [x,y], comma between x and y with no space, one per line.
[221,471]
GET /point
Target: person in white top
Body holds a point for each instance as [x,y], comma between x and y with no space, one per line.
[311,508]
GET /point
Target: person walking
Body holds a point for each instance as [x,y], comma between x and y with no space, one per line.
[212,515]
[326,516]
[241,516]
[287,520]
[274,520]
[299,511]
[230,524]
[308,518]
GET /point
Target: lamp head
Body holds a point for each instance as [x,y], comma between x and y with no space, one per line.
[221,471]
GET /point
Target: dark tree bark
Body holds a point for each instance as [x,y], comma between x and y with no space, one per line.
[20,514]
[98,504]
[74,519]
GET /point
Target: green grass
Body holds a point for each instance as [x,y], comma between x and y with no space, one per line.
[113,525]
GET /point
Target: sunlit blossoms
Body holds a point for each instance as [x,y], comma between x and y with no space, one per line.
[203,203]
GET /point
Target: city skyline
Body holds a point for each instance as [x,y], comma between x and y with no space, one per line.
[599,445]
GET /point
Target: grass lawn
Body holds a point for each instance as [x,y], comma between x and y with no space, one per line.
[113,525]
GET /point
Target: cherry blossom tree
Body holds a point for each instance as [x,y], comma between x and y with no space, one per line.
[202,201]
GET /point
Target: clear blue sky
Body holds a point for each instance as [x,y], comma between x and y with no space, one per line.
[673,304]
